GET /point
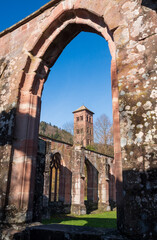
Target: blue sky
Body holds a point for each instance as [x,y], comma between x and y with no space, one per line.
[81,75]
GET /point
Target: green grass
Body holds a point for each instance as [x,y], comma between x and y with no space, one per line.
[104,220]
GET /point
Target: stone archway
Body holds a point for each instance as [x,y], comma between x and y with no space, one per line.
[31,47]
[41,57]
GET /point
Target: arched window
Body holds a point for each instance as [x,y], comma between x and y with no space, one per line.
[54,177]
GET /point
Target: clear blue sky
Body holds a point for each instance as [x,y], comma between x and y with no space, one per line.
[80,76]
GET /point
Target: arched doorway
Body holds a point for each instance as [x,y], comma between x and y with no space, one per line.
[30,49]
[45,52]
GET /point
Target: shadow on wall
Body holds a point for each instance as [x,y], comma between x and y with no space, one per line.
[6,140]
[150,4]
[91,186]
[13,176]
[112,198]
[138,217]
[6,126]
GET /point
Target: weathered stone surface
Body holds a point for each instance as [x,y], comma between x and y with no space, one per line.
[72,180]
[30,48]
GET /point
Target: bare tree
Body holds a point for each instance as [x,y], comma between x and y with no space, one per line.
[69,127]
[103,134]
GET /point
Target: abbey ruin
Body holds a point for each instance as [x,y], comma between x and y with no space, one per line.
[71,178]
[27,52]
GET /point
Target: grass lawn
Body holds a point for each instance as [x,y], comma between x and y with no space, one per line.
[104,220]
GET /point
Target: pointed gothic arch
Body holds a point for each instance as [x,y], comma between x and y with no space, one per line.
[129,27]
[41,55]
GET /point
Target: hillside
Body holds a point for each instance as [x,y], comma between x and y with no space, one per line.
[54,132]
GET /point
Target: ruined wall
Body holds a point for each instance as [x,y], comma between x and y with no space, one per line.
[63,204]
[72,180]
[30,48]
[102,170]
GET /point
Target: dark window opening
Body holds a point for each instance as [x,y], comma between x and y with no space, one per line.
[54,178]
[107,169]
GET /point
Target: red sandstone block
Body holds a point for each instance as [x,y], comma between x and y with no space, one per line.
[24,27]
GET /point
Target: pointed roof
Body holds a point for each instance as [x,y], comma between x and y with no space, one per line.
[82,108]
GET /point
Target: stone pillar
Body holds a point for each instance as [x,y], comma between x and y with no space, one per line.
[78,206]
[107,193]
[23,168]
[136,67]
[102,193]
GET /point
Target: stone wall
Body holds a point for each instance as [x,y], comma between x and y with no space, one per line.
[72,180]
[30,48]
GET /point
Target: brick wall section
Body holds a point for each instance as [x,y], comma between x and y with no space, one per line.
[30,48]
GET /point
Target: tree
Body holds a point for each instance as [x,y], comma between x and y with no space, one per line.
[43,126]
[69,127]
[57,135]
[103,131]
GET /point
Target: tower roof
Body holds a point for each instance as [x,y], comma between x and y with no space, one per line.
[82,108]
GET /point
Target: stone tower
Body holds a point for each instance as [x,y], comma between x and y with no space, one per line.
[83,126]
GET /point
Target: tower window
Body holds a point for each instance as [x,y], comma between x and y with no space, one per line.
[81,118]
[77,119]
[90,119]
[77,131]
[81,130]
[87,130]
[87,118]
[90,131]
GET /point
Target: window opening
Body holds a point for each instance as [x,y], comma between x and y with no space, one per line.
[54,178]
